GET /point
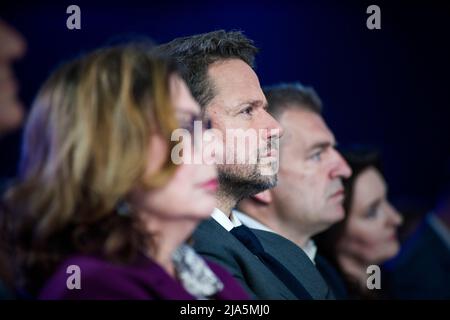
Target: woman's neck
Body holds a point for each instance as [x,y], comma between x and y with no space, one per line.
[354,270]
[166,236]
[161,252]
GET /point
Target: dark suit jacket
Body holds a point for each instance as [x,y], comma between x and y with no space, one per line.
[332,278]
[214,242]
[422,269]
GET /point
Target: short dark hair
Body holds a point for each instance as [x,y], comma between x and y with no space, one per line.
[284,96]
[359,158]
[196,53]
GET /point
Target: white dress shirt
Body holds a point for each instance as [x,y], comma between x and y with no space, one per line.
[310,248]
[224,221]
[250,222]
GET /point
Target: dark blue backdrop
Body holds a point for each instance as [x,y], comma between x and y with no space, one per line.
[385,87]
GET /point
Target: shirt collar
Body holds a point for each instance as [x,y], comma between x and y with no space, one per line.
[194,273]
[311,250]
[250,222]
[222,219]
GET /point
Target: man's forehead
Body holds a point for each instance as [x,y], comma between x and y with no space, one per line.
[236,81]
[306,125]
[229,67]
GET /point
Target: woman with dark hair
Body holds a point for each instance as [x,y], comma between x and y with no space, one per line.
[100,209]
[367,235]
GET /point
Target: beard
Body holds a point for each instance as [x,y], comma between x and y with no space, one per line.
[247,179]
[241,181]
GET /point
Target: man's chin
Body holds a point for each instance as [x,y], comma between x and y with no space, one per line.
[262,183]
[270,181]
[340,213]
[245,185]
[336,214]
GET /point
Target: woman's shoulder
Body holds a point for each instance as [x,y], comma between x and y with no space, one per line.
[91,277]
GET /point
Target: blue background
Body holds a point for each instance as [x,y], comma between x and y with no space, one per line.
[388,87]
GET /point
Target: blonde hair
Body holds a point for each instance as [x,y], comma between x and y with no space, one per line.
[85,146]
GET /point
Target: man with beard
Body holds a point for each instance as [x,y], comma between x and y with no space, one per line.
[218,69]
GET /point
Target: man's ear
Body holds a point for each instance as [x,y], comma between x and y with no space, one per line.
[264,197]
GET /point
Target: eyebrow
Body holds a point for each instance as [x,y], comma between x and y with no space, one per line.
[320,145]
[254,103]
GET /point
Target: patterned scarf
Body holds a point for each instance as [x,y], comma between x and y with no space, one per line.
[195,275]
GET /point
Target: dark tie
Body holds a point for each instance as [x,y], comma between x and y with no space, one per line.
[248,239]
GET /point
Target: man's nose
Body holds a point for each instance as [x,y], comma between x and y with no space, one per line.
[341,168]
[275,130]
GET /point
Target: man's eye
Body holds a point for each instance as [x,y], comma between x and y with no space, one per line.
[247,111]
[207,124]
[317,156]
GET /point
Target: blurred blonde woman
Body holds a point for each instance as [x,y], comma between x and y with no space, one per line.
[98,192]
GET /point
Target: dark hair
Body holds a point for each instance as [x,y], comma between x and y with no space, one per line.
[359,158]
[284,96]
[196,53]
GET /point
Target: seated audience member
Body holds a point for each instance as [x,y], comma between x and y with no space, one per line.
[368,234]
[219,71]
[100,209]
[422,269]
[309,195]
[11,113]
